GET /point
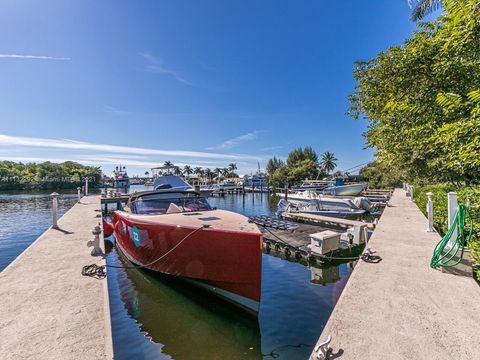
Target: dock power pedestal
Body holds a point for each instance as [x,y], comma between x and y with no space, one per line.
[324,242]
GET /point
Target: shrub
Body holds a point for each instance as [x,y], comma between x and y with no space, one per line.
[440,217]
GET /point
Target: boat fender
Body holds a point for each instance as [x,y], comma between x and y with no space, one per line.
[287,252]
[268,246]
[277,247]
[107,228]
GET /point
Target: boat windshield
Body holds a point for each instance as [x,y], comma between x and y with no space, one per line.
[173,205]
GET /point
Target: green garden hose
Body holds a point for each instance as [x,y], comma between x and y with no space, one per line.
[442,256]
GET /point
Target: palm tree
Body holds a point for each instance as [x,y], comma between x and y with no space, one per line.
[328,162]
[177,171]
[217,172]
[198,171]
[232,167]
[147,173]
[423,8]
[167,164]
[187,170]
[225,172]
[209,173]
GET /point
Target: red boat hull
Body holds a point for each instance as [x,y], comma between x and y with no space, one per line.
[227,263]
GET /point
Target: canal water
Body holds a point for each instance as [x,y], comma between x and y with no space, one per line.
[155,317]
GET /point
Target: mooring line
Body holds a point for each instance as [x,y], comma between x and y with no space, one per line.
[98,271]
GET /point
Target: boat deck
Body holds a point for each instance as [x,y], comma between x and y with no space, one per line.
[214,219]
[400,308]
[49,310]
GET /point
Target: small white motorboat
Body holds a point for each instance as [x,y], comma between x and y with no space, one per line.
[339,208]
[344,190]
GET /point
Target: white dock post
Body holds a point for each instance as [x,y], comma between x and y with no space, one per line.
[430,212]
[96,251]
[452,211]
[54,197]
[79,194]
[86,185]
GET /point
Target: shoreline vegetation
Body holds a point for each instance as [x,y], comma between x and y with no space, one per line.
[301,164]
[421,101]
[47,175]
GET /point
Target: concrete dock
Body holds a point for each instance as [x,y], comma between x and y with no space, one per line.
[400,308]
[48,309]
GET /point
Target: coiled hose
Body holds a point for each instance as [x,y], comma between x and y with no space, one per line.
[443,256]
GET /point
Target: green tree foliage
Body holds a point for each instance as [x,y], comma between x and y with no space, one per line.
[423,7]
[302,163]
[274,164]
[301,154]
[279,178]
[232,167]
[380,176]
[47,175]
[422,99]
[187,170]
[328,162]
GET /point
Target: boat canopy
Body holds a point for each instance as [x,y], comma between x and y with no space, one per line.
[170,182]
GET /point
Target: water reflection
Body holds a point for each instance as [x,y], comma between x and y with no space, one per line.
[324,276]
[189,323]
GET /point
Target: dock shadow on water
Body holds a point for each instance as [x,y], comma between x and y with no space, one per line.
[160,317]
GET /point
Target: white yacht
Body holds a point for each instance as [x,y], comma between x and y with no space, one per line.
[120,177]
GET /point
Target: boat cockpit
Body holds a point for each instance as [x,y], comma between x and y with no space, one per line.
[161,202]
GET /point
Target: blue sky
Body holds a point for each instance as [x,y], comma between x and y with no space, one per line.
[204,83]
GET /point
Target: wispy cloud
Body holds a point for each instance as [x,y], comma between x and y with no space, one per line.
[114,111]
[155,65]
[230,143]
[271,148]
[29,159]
[78,145]
[102,160]
[116,160]
[35,57]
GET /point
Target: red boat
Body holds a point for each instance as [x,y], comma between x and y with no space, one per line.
[173,230]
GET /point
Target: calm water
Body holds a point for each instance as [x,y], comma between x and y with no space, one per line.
[155,317]
[23,217]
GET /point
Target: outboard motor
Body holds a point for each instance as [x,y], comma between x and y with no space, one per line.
[282,206]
